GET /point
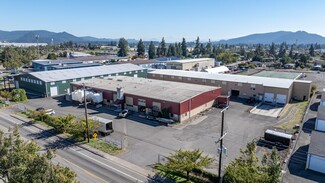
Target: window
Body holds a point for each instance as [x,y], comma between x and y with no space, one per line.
[189,79]
[253,86]
[224,82]
[124,73]
[161,75]
[74,80]
[240,84]
[153,75]
[136,71]
[172,77]
[52,83]
[93,77]
[40,82]
[141,70]
[82,79]
[180,78]
[115,75]
[204,80]
[64,81]
[130,72]
[213,81]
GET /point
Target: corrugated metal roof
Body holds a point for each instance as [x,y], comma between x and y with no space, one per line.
[150,88]
[270,82]
[279,134]
[59,75]
[317,145]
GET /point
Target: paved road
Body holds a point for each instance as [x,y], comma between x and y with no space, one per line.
[88,166]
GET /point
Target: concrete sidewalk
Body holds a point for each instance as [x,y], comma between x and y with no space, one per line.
[114,159]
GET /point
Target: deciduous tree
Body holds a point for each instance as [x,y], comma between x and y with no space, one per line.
[186,161]
[20,162]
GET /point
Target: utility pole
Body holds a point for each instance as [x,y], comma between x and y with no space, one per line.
[221,148]
[86,113]
[37,37]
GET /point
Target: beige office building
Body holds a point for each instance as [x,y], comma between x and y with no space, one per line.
[271,90]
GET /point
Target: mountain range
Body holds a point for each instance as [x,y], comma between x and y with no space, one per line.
[299,37]
[28,36]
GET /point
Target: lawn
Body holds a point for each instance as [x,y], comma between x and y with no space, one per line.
[292,114]
[105,147]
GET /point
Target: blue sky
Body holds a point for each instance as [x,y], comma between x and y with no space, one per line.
[172,19]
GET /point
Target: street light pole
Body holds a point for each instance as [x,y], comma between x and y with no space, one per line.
[222,135]
[86,113]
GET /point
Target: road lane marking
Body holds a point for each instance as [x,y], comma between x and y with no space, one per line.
[109,166]
[86,171]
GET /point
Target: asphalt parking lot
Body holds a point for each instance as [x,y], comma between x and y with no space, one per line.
[146,139]
[317,78]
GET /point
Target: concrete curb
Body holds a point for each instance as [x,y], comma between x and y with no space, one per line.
[114,159]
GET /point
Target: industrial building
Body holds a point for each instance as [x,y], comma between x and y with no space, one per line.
[320,119]
[271,90]
[47,65]
[316,152]
[180,100]
[57,82]
[198,64]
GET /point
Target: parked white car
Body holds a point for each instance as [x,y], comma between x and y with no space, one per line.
[123,113]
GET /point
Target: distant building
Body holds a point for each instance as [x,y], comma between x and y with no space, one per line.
[47,65]
[198,64]
[79,54]
[6,44]
[217,70]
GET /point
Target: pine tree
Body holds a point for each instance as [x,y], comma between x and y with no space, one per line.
[311,50]
[184,48]
[291,52]
[282,50]
[123,48]
[163,48]
[202,49]
[152,51]
[208,48]
[272,50]
[177,50]
[197,49]
[171,50]
[140,48]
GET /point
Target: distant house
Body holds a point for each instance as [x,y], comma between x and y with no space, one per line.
[257,63]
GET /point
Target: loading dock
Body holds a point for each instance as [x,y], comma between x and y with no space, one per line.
[235,93]
[269,97]
[281,99]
